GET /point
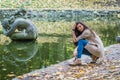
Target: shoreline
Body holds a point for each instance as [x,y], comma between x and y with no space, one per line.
[62,71]
[53,15]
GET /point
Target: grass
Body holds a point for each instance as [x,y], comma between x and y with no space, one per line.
[61,4]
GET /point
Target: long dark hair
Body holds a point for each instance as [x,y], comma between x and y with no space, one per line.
[78,33]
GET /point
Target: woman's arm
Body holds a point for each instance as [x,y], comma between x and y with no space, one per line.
[73,33]
[86,33]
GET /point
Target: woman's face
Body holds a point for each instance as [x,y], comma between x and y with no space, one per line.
[80,27]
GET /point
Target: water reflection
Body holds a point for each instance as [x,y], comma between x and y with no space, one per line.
[21,51]
[15,57]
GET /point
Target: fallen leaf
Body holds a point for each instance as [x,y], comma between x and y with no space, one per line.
[77,75]
[82,71]
[47,76]
[112,67]
[35,74]
[95,74]
[58,73]
[11,75]
[69,73]
[20,77]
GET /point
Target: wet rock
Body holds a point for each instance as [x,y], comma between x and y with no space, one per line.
[118,39]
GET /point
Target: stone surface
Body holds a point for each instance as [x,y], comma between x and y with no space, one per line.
[68,15]
[118,39]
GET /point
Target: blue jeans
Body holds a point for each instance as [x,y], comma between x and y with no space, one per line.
[81,50]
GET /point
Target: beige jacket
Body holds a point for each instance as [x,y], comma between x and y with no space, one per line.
[95,45]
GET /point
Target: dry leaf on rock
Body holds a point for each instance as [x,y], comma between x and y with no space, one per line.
[20,77]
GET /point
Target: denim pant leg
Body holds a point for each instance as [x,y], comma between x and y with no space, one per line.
[86,52]
[81,44]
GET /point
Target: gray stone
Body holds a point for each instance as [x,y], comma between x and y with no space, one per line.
[118,39]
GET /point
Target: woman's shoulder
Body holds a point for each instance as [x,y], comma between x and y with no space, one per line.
[87,31]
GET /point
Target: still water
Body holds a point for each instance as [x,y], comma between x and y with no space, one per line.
[53,45]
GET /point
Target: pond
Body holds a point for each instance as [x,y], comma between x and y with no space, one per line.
[53,45]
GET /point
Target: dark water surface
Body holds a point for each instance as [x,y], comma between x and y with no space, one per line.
[53,45]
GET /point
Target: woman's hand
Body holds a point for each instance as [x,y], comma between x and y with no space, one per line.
[73,32]
[74,40]
[74,25]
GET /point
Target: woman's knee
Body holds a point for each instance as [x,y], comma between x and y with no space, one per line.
[82,42]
